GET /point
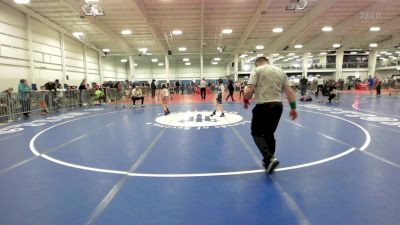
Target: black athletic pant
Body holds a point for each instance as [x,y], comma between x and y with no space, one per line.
[263,125]
[231,95]
[303,89]
[203,93]
[331,96]
[137,98]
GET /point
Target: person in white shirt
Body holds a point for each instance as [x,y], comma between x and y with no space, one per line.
[137,95]
[267,82]
[320,84]
[165,97]
[203,85]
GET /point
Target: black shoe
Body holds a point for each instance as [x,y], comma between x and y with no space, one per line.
[222,115]
[168,111]
[213,114]
[271,166]
[165,113]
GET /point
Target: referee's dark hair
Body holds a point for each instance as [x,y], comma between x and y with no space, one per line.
[261,60]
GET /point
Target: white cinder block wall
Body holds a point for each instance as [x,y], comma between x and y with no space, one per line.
[14,61]
[47,54]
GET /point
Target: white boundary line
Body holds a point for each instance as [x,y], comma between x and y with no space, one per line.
[367,135]
[34,151]
[355,106]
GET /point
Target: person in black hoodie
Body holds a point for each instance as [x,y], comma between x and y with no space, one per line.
[230,89]
[153,88]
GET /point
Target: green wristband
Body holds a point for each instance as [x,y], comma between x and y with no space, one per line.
[293,105]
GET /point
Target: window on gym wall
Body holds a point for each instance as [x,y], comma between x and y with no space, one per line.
[355,61]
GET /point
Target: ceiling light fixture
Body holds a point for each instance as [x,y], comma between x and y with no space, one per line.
[182,49]
[176,32]
[298,46]
[217,59]
[373,45]
[77,34]
[92,10]
[375,29]
[336,45]
[323,53]
[260,47]
[327,29]
[227,31]
[124,60]
[126,32]
[277,30]
[154,60]
[188,64]
[186,59]
[161,64]
[214,63]
[22,1]
[353,53]
[296,5]
[106,50]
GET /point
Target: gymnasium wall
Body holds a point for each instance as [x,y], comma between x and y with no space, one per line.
[382,74]
[363,74]
[80,61]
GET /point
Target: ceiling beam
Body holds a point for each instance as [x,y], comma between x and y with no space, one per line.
[201,26]
[363,38]
[75,6]
[350,22]
[262,5]
[299,27]
[389,43]
[139,5]
[155,55]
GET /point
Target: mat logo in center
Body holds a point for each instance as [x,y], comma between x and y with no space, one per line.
[198,120]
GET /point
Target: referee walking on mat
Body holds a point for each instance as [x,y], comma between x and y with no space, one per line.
[267,82]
